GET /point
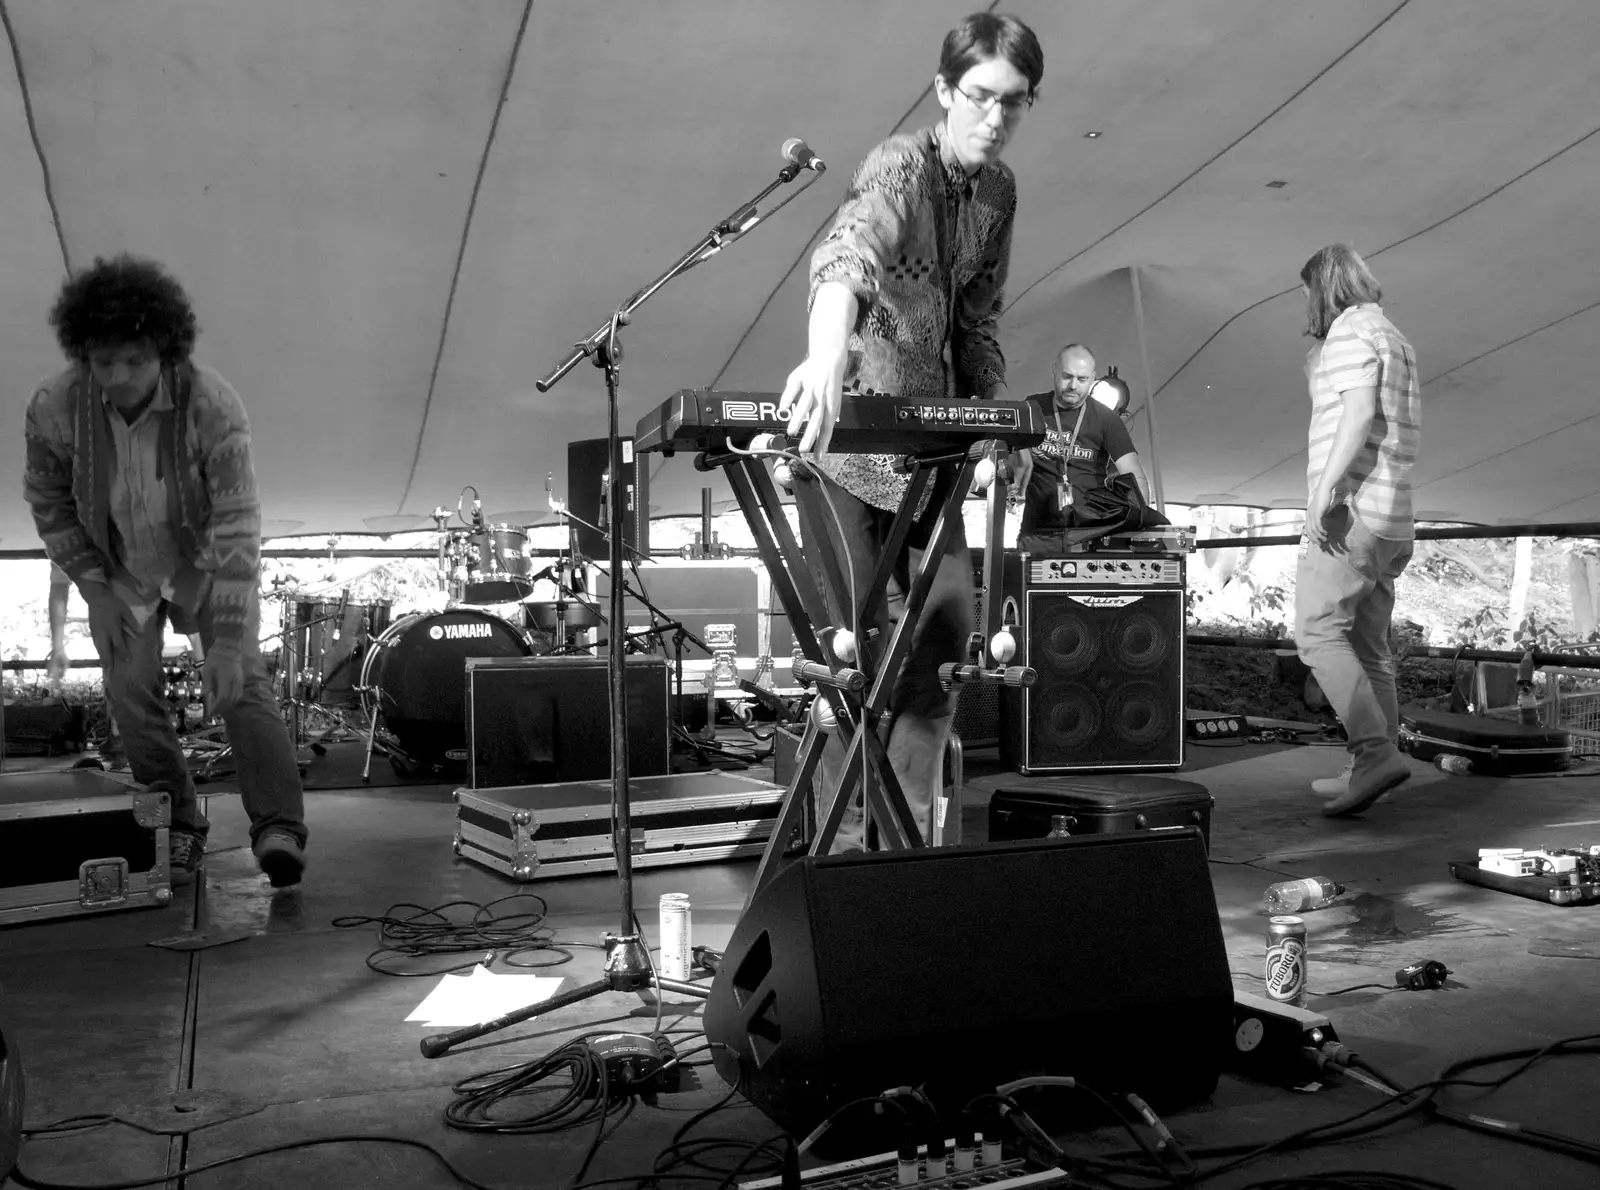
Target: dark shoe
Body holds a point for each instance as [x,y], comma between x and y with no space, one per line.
[187,851]
[1367,787]
[281,857]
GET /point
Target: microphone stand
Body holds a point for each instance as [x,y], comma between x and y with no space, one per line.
[627,966]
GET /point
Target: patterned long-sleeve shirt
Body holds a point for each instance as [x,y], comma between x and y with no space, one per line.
[203,462]
[925,250]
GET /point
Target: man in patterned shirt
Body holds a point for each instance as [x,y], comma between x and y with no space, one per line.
[906,292]
[1366,419]
[141,485]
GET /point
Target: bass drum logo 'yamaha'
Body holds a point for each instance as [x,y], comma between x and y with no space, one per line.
[472,629]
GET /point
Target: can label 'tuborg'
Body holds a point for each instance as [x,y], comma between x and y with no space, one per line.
[1286,969]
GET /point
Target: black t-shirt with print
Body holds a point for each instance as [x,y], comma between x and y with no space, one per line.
[1101,439]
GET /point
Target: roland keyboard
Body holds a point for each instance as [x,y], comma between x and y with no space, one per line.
[699,419]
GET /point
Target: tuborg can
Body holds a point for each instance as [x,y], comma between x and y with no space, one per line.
[1286,960]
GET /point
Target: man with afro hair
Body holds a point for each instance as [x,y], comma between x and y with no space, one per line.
[141,485]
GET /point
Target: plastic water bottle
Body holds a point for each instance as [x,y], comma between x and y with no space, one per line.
[1297,896]
[1058,827]
[1449,762]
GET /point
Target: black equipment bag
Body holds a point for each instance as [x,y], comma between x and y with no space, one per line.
[1498,747]
[1096,805]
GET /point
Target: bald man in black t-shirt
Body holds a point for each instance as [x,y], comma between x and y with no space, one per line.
[1085,445]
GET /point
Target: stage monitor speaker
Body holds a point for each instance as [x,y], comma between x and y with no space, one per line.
[1104,634]
[960,968]
[543,720]
[587,463]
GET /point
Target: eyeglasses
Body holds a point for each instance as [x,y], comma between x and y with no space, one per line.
[1011,106]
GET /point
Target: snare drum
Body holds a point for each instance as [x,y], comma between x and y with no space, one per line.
[331,645]
[415,674]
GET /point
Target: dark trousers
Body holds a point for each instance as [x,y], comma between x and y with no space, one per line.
[919,708]
[269,776]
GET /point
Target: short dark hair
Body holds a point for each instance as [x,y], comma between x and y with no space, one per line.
[986,35]
[1336,278]
[124,300]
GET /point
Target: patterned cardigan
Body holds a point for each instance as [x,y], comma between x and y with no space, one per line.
[925,249]
[215,510]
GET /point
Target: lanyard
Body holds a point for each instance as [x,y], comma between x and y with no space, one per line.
[1076,426]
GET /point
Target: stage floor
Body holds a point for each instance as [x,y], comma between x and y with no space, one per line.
[290,1020]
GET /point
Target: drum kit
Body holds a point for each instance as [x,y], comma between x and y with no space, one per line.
[350,669]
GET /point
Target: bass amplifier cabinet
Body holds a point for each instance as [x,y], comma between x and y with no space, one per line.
[588,461]
[1103,959]
[1104,633]
[540,720]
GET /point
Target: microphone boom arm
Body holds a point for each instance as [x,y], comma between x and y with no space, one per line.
[735,225]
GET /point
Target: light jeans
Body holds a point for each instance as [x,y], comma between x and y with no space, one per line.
[1344,601]
[269,776]
[920,709]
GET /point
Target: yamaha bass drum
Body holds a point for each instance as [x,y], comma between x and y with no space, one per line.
[414,682]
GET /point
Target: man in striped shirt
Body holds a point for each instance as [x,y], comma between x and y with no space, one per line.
[1366,419]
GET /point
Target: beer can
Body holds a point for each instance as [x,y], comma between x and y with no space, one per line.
[1286,960]
[676,958]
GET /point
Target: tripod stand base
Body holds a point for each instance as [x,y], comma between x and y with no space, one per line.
[627,969]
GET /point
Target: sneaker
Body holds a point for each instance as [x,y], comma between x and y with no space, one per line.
[187,852]
[281,857]
[1334,786]
[1366,788]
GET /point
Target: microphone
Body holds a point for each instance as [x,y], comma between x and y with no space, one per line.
[477,513]
[338,616]
[796,152]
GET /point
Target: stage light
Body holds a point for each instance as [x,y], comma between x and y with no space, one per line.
[1112,391]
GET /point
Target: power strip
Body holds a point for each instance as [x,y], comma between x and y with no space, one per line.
[1268,1037]
[1214,725]
[882,1172]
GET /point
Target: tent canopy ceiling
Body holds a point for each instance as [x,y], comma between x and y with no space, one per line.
[395,215]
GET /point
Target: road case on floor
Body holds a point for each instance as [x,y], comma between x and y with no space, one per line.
[80,841]
[536,832]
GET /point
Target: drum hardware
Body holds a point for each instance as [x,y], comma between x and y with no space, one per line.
[413,679]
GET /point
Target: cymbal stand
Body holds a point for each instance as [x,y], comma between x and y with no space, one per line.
[627,965]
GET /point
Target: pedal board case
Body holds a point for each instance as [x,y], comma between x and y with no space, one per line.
[80,841]
[1497,747]
[539,832]
[1113,803]
[1552,890]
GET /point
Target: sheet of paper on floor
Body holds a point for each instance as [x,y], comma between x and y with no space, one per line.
[480,996]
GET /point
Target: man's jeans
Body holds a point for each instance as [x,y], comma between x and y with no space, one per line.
[1344,599]
[269,777]
[919,709]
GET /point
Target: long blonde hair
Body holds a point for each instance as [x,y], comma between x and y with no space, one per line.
[1336,278]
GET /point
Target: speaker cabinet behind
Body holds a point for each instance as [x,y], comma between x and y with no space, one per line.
[963,967]
[587,463]
[543,720]
[1104,633]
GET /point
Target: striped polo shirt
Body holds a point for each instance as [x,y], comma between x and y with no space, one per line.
[1364,349]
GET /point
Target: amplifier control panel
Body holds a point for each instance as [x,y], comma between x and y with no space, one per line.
[1089,570]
